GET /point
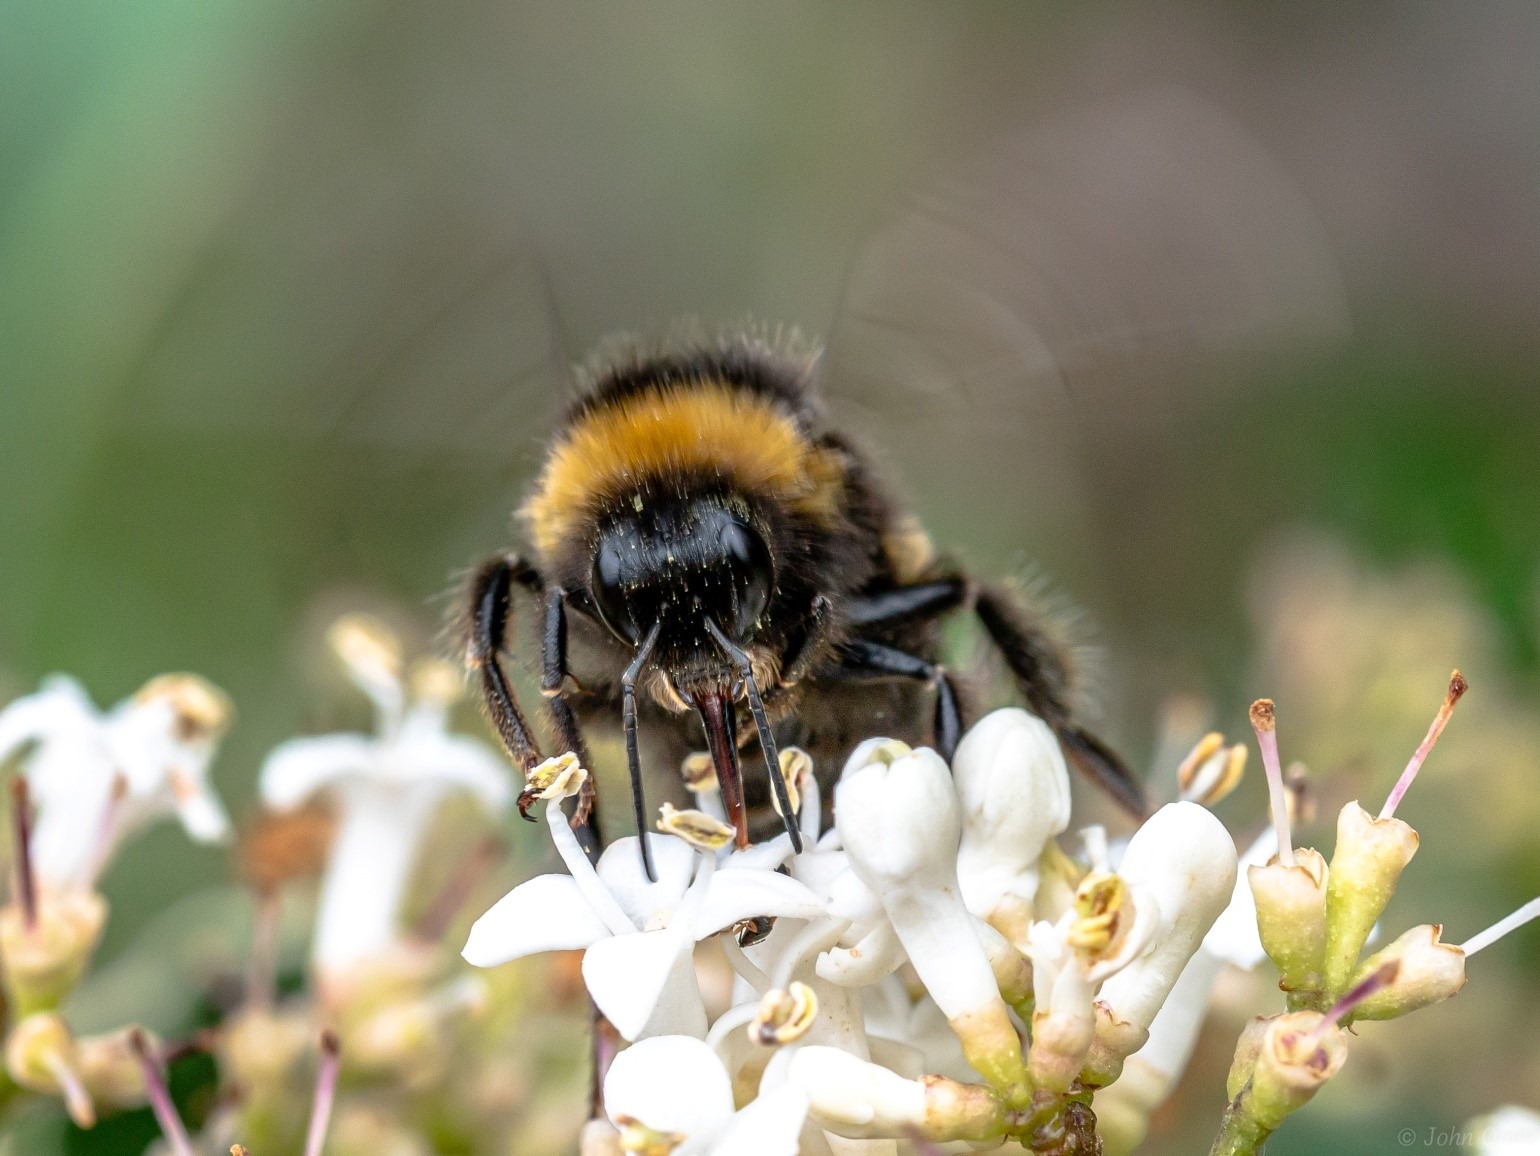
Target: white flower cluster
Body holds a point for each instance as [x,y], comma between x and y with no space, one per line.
[915,946]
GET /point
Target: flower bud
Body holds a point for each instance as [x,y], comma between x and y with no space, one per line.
[899,818]
[1429,971]
[854,1098]
[1295,1058]
[1291,917]
[260,1047]
[1371,853]
[900,823]
[1014,790]
[44,961]
[110,1070]
[42,1056]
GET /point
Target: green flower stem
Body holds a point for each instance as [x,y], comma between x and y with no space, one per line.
[1239,1133]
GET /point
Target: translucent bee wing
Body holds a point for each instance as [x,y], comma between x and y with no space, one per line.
[382,305]
[1086,275]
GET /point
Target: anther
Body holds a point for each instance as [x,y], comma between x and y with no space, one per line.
[784,1016]
[698,829]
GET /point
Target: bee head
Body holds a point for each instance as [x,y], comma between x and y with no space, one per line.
[677,563]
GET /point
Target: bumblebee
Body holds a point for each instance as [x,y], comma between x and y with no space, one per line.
[723,560]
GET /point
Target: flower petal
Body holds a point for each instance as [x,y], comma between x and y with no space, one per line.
[620,869]
[203,815]
[645,984]
[547,913]
[670,1084]
[425,750]
[747,894]
[296,769]
[60,705]
[768,1126]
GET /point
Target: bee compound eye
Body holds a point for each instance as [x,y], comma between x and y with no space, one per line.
[750,574]
[609,591]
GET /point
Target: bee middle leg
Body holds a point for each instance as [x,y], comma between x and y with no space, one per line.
[859,659]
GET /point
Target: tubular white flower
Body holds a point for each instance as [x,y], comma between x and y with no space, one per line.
[388,788]
[676,1086]
[1013,786]
[1185,860]
[96,777]
[855,1098]
[639,935]
[1108,926]
[1509,1131]
[900,823]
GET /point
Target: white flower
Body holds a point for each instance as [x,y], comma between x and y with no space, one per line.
[674,1091]
[1185,859]
[98,776]
[900,822]
[1014,789]
[639,936]
[387,786]
[1509,1131]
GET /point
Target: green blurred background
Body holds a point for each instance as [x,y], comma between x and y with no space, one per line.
[244,245]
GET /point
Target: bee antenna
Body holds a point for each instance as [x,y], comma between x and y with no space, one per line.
[762,726]
[633,759]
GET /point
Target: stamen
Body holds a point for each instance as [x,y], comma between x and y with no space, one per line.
[77,1101]
[1383,977]
[796,764]
[1265,722]
[784,1016]
[699,773]
[698,829]
[325,1093]
[239,1150]
[159,1095]
[1502,927]
[1094,839]
[741,963]
[106,832]
[467,875]
[583,874]
[26,882]
[1457,687]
